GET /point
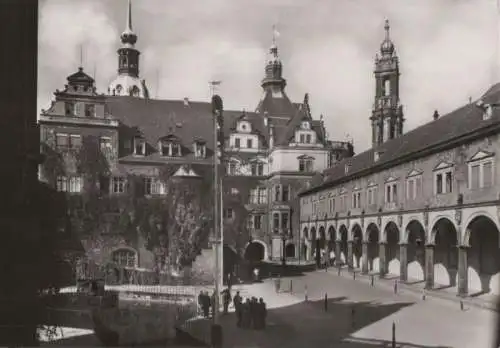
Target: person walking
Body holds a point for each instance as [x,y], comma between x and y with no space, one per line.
[206,304]
[226,299]
[263,313]
[246,314]
[237,301]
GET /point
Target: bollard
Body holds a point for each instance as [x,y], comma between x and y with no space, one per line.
[305,292]
[353,321]
[326,303]
[291,286]
[423,295]
[372,280]
[354,275]
[396,286]
[393,335]
[338,270]
[461,305]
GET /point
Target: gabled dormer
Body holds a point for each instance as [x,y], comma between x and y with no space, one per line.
[304,134]
[170,146]
[243,124]
[199,148]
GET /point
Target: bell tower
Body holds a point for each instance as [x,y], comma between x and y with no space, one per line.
[387,114]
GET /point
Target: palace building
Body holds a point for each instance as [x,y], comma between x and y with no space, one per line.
[423,205]
[279,144]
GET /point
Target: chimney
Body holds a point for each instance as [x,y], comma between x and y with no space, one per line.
[435,116]
[186,101]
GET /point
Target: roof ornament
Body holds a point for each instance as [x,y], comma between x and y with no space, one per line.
[274,46]
[128,36]
[387,47]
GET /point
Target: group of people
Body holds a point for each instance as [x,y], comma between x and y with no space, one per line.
[250,313]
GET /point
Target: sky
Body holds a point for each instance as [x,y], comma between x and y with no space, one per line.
[447,51]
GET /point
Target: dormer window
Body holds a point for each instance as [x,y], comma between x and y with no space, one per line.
[170,148]
[139,146]
[200,149]
[306,125]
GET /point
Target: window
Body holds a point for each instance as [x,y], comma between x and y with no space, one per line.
[371,194]
[117,184]
[302,138]
[343,202]
[391,192]
[286,193]
[387,87]
[305,125]
[75,141]
[231,168]
[228,213]
[332,205]
[62,141]
[72,184]
[258,195]
[257,221]
[308,138]
[153,186]
[277,193]
[284,220]
[413,187]
[105,144]
[69,109]
[481,174]
[200,150]
[166,148]
[257,169]
[306,165]
[124,258]
[237,143]
[139,147]
[276,221]
[250,222]
[249,143]
[89,110]
[356,200]
[443,182]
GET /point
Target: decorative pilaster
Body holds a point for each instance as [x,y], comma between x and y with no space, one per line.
[403,262]
[338,253]
[364,265]
[429,266]
[463,265]
[382,259]
[350,255]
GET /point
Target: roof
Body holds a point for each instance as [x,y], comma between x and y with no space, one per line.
[458,123]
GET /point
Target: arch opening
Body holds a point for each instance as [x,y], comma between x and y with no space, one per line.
[483,256]
[416,250]
[445,253]
[254,252]
[343,244]
[373,236]
[392,256]
[357,246]
[290,250]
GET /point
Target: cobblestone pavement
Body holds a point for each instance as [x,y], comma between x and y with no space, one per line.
[357,315]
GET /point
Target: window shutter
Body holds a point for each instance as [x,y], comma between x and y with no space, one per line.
[418,186]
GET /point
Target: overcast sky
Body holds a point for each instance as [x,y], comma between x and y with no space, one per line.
[446,49]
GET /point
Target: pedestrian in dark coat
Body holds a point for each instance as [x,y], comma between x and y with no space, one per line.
[263,313]
[237,301]
[254,312]
[226,298]
[247,320]
[206,305]
[213,304]
[200,301]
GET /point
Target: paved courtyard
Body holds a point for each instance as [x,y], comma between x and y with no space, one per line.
[358,315]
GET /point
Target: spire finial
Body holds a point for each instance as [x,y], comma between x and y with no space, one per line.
[387,27]
[129,16]
[81,55]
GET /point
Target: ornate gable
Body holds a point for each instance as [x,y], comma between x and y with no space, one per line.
[480,155]
[391,179]
[443,165]
[414,172]
[185,171]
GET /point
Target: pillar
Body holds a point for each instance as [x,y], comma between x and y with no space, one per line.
[338,253]
[429,266]
[463,279]
[403,262]
[350,255]
[382,259]
[364,265]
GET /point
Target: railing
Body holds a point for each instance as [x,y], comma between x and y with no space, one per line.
[79,120]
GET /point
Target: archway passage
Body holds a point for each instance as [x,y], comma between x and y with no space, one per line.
[483,256]
[343,245]
[230,260]
[290,251]
[416,251]
[254,252]
[357,246]
[314,243]
[445,253]
[373,236]
[392,264]
[320,246]
[332,236]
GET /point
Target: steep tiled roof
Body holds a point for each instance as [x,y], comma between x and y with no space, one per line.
[460,122]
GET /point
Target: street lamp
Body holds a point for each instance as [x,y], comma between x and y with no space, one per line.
[283,254]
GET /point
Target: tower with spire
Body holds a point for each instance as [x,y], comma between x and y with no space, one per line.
[273,79]
[128,82]
[387,114]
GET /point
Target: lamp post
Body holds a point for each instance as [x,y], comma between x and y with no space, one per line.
[283,253]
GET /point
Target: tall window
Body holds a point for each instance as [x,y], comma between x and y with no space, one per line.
[277,193]
[481,174]
[75,141]
[443,181]
[73,184]
[125,258]
[302,138]
[249,143]
[166,148]
[258,195]
[343,202]
[199,150]
[284,220]
[391,192]
[231,167]
[371,195]
[413,187]
[139,146]
[308,138]
[332,205]
[89,110]
[117,184]
[153,186]
[356,200]
[286,193]
[387,87]
[62,141]
[237,143]
[276,221]
[257,221]
[257,169]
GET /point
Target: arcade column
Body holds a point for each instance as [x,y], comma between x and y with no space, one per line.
[338,253]
[429,266]
[403,262]
[382,259]
[364,265]
[463,279]
[350,255]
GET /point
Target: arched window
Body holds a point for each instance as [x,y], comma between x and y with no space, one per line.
[125,257]
[119,89]
[387,87]
[135,92]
